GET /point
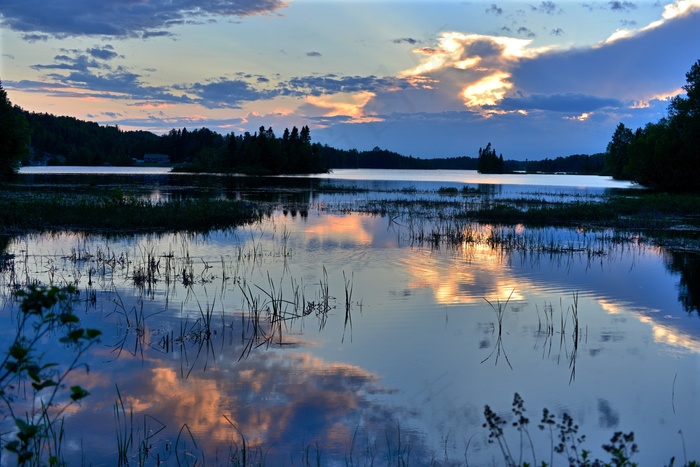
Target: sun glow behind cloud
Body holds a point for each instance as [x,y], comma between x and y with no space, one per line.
[487,91]
[479,64]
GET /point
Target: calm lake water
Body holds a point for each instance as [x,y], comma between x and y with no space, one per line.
[373,345]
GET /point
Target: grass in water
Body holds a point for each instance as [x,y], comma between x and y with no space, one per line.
[20,212]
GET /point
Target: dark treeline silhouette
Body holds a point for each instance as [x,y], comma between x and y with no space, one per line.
[263,152]
[378,158]
[69,141]
[42,138]
[188,145]
[663,155]
[14,136]
[489,162]
[577,163]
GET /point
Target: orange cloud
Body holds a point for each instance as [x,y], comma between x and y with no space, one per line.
[345,104]
[151,105]
[487,91]
[483,78]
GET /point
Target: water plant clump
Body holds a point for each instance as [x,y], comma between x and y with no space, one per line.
[108,213]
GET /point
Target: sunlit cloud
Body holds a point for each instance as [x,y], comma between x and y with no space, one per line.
[422,82]
[579,118]
[487,91]
[671,11]
[484,63]
[679,7]
[343,104]
[467,63]
[266,397]
[659,97]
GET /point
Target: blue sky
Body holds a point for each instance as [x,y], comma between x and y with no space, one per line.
[429,79]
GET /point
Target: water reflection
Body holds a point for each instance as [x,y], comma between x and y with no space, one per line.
[590,325]
[339,230]
[277,405]
[318,189]
[687,265]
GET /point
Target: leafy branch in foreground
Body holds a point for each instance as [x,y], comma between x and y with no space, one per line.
[44,313]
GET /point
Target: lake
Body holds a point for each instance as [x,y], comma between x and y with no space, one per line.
[338,330]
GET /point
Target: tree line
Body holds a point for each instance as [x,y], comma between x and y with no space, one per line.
[42,138]
[378,158]
[14,136]
[664,155]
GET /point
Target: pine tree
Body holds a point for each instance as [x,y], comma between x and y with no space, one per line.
[14,136]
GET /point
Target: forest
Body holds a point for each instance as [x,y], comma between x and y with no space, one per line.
[664,155]
[60,140]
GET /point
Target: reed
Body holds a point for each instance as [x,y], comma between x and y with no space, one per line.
[124,421]
[575,337]
[500,309]
[348,304]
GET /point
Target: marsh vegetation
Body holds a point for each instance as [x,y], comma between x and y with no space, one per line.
[358,324]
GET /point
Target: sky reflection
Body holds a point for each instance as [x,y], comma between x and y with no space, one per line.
[424,351]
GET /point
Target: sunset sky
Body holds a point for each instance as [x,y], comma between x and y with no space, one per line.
[429,79]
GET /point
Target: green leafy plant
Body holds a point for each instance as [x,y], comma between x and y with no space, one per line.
[44,313]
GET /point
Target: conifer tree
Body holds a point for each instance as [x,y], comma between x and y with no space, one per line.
[14,137]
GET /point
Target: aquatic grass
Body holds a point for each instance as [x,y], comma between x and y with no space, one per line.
[575,337]
[124,422]
[399,449]
[448,191]
[653,213]
[181,448]
[401,454]
[499,309]
[41,212]
[324,294]
[348,304]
